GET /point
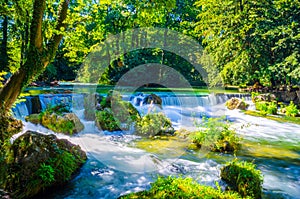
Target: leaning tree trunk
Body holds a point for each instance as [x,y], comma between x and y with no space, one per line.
[38,56]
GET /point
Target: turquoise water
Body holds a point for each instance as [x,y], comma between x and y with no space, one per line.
[117,166]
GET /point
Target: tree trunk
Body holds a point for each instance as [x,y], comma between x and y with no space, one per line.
[37,56]
[4,56]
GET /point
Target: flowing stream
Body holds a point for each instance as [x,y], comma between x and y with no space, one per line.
[119,164]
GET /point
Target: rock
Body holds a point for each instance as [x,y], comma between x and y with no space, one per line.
[244,178]
[154,124]
[33,118]
[8,126]
[76,121]
[153,99]
[37,162]
[236,103]
[68,123]
[268,97]
[120,116]
[36,106]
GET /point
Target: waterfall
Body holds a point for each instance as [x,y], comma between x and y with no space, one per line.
[35,104]
[20,110]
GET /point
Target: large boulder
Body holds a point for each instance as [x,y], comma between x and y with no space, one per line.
[154,124]
[119,116]
[236,103]
[67,123]
[244,178]
[37,162]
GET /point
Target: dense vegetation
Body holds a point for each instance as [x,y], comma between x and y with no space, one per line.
[248,41]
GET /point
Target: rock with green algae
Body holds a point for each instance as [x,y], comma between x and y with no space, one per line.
[236,103]
[37,162]
[154,124]
[115,114]
[244,178]
[67,123]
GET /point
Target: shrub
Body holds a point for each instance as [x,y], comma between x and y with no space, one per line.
[171,187]
[154,124]
[291,110]
[266,107]
[216,136]
[243,177]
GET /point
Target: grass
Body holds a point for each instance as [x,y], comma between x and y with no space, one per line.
[282,119]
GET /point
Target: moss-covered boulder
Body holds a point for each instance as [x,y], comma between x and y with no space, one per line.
[57,121]
[171,187]
[236,103]
[120,116]
[154,124]
[37,162]
[243,177]
[115,114]
[8,126]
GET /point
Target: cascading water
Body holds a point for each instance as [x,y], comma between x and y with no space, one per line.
[116,166]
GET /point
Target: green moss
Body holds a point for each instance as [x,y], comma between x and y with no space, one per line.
[171,187]
[38,162]
[116,114]
[105,120]
[295,120]
[216,135]
[154,124]
[243,177]
[57,119]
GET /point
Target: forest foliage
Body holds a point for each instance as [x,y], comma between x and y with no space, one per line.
[248,41]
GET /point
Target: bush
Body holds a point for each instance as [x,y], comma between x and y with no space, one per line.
[217,136]
[244,178]
[291,110]
[266,107]
[154,124]
[171,187]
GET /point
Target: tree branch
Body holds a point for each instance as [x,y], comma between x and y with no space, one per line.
[56,38]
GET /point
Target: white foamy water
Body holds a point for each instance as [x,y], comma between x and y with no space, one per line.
[115,167]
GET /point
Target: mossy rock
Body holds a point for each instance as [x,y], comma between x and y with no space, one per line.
[120,115]
[171,187]
[60,122]
[236,103]
[8,126]
[33,118]
[105,120]
[37,162]
[243,177]
[154,124]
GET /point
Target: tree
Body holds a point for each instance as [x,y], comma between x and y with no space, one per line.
[251,40]
[38,53]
